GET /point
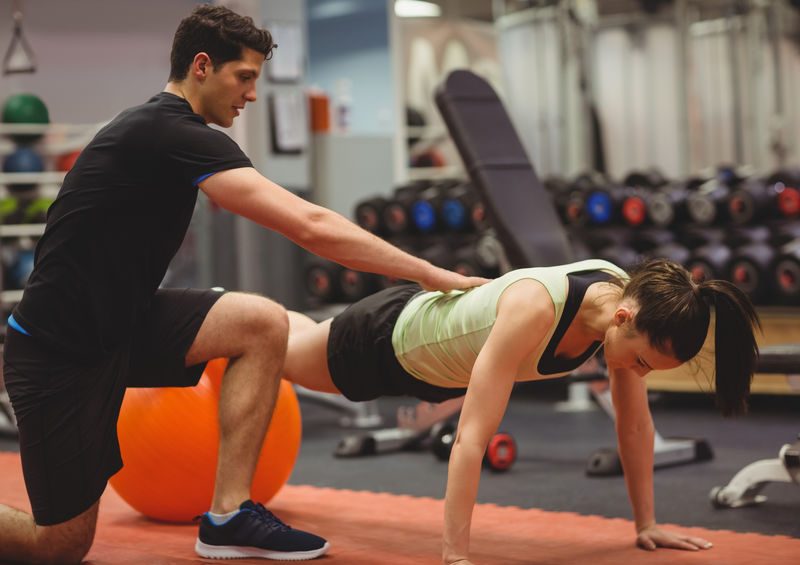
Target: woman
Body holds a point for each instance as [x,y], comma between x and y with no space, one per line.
[532,324]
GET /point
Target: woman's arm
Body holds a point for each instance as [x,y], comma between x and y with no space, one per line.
[635,436]
[524,315]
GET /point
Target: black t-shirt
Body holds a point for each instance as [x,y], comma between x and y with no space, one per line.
[117,222]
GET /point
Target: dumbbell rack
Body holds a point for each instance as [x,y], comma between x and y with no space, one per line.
[50,180]
[60,138]
[57,139]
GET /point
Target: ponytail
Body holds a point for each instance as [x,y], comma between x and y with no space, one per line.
[736,351]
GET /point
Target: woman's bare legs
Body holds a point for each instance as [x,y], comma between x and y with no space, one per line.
[307,354]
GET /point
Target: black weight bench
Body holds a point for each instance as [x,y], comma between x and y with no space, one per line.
[745,487]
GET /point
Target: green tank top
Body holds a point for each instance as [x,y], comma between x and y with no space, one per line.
[438,336]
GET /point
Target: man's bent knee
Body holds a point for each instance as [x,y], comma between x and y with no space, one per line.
[264,321]
[239,324]
[68,542]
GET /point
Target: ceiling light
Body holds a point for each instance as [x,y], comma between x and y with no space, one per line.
[416,9]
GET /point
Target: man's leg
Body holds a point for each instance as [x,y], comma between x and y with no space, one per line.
[252,332]
[21,540]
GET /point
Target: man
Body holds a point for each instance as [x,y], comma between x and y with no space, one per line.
[93,321]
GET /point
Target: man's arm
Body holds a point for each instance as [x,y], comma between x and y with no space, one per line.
[635,437]
[524,314]
[323,232]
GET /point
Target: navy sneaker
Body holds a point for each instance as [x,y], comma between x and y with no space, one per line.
[256,532]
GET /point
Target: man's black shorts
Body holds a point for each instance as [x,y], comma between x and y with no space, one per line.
[67,410]
[361,358]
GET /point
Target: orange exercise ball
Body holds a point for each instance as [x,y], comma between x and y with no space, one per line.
[169,439]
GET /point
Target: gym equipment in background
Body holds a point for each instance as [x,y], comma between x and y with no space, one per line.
[708,204]
[667,205]
[22,109]
[709,262]
[397,212]
[786,274]
[369,214]
[501,452]
[569,200]
[494,157]
[745,487]
[462,209]
[756,200]
[667,452]
[322,280]
[426,209]
[23,160]
[750,269]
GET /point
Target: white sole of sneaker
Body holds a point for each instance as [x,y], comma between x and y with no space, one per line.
[240,552]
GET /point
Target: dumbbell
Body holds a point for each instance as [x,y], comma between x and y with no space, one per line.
[633,208]
[750,269]
[667,205]
[709,203]
[605,205]
[500,455]
[463,210]
[574,206]
[397,213]
[570,204]
[786,273]
[322,280]
[369,214]
[426,210]
[709,261]
[756,199]
[356,285]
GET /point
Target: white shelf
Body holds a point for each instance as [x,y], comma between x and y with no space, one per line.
[10,296]
[22,230]
[34,129]
[57,138]
[50,177]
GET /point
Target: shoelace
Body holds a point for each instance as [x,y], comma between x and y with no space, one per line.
[270,519]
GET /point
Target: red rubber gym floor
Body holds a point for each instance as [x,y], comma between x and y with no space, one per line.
[367,528]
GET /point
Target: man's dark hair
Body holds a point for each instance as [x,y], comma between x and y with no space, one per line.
[219,32]
[674,313]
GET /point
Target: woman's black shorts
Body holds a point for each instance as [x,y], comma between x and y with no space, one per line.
[361,358]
